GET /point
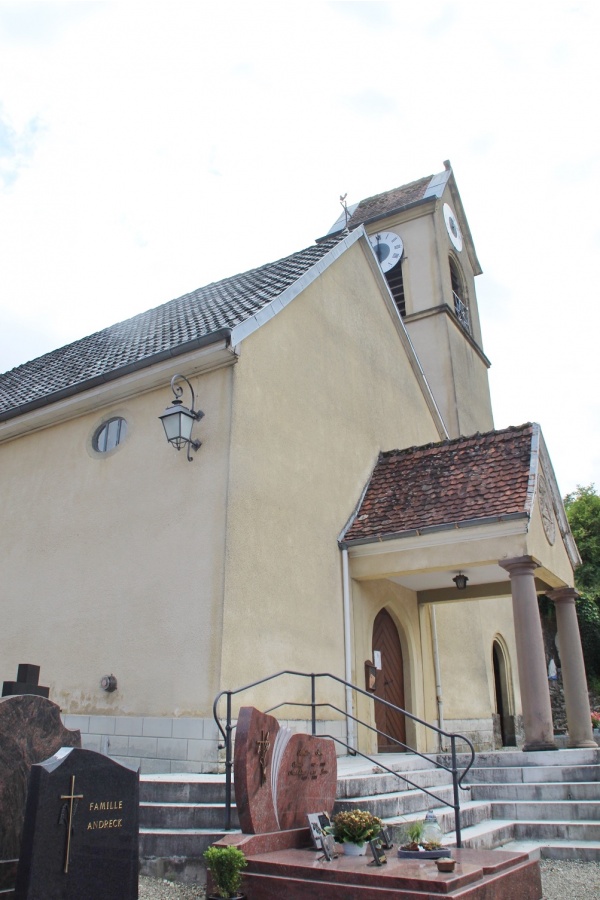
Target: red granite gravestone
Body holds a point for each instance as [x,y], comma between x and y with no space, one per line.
[280,777]
[30,731]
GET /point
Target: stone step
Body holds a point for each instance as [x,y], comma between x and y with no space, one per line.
[488,834]
[368,785]
[556,811]
[177,841]
[185,815]
[541,830]
[471,813]
[557,849]
[532,774]
[519,758]
[542,791]
[396,804]
[182,788]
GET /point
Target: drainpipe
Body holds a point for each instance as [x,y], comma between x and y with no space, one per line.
[438,677]
[350,724]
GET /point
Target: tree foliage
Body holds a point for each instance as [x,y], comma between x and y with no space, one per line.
[583,513]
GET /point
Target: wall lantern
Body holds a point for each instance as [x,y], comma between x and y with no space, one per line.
[178,420]
[460,581]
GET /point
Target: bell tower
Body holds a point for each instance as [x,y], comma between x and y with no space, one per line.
[421,238]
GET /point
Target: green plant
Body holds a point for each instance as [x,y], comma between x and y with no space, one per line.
[413,832]
[354,827]
[595,719]
[225,865]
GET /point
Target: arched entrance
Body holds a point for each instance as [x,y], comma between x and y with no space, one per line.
[503,695]
[389,684]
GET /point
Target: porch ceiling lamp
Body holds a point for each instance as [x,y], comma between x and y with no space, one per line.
[460,581]
[178,420]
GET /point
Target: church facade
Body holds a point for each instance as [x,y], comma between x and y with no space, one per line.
[348,473]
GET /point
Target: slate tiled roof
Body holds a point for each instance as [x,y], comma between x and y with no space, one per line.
[390,201]
[457,481]
[191,318]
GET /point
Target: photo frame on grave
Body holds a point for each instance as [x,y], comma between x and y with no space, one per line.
[385,839]
[328,847]
[324,821]
[379,857]
[316,832]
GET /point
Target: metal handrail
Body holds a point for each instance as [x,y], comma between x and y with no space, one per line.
[453,736]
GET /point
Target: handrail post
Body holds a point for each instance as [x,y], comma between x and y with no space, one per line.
[228,765]
[313,701]
[455,788]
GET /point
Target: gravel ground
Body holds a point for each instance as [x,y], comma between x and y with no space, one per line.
[560,881]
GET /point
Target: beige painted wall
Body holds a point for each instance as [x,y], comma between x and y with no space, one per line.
[318,392]
[456,371]
[113,563]
[466,633]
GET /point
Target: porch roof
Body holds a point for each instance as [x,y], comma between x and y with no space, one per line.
[481,478]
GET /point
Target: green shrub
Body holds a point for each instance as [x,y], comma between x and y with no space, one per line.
[225,865]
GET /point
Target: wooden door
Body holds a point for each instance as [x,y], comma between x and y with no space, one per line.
[389,684]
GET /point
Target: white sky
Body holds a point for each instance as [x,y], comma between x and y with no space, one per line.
[147,149]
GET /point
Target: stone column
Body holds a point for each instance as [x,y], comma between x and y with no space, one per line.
[573,669]
[531,658]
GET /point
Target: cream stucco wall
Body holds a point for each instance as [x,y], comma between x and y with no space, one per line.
[453,363]
[318,392]
[113,563]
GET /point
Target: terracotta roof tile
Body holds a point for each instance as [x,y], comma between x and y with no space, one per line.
[452,482]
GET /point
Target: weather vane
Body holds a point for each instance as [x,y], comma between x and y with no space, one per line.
[345,207]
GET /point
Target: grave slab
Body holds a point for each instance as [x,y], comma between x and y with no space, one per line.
[81,830]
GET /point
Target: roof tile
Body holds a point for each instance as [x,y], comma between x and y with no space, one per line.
[448,483]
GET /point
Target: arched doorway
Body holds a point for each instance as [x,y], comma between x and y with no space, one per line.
[503,695]
[389,684]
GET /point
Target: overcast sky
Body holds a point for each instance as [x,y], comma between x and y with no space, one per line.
[147,149]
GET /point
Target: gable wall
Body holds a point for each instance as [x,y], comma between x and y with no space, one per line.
[318,392]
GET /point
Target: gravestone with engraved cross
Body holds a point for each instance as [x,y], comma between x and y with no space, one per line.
[80,837]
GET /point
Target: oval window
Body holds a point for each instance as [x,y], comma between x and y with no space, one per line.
[110,435]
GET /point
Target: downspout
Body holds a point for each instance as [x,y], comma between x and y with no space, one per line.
[350,724]
[438,677]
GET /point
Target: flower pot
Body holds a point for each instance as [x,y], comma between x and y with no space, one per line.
[355,849]
[219,897]
[445,865]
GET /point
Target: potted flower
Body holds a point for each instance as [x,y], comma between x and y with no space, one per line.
[353,829]
[225,865]
[422,838]
[595,719]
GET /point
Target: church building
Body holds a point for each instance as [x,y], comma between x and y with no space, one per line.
[341,503]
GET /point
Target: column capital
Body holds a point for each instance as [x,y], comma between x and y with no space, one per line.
[563,595]
[520,565]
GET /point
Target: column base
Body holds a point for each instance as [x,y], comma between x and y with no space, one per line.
[539,745]
[584,745]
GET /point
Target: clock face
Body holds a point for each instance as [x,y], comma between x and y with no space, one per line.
[452,227]
[388,248]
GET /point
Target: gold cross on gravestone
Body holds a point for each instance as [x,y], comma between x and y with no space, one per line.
[70,797]
[263,748]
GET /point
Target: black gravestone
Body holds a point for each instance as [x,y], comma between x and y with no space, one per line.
[28,677]
[80,837]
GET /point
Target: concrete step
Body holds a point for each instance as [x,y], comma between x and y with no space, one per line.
[588,851]
[542,791]
[185,815]
[182,788]
[532,774]
[471,813]
[556,811]
[396,804]
[541,830]
[519,758]
[488,834]
[375,783]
